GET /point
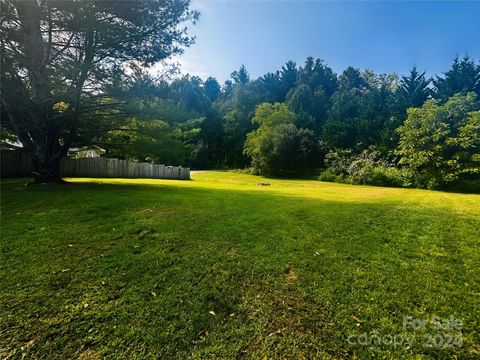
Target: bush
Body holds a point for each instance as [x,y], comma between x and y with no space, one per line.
[338,161]
[329,176]
[366,168]
[470,186]
[390,176]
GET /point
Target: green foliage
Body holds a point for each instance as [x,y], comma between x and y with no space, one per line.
[153,141]
[366,168]
[462,77]
[440,144]
[361,111]
[329,176]
[361,169]
[288,77]
[414,90]
[300,99]
[355,110]
[240,76]
[212,88]
[69,52]
[270,115]
[278,146]
[352,78]
[318,76]
[390,176]
[338,161]
[238,111]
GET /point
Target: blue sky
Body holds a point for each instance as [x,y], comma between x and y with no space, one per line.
[385,36]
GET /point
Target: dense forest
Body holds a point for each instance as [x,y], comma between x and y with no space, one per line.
[357,126]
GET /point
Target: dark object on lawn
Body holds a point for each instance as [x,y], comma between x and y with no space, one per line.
[263,184]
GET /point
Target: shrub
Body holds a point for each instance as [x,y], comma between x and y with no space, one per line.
[361,169]
[338,161]
[366,168]
[390,176]
[465,186]
[329,176]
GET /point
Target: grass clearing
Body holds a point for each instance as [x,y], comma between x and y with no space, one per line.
[220,267]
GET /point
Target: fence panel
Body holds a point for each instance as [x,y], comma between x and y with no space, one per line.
[19,163]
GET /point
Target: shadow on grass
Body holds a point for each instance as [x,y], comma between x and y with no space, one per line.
[226,273]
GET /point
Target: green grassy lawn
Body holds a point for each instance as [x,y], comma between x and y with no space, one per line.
[219,267]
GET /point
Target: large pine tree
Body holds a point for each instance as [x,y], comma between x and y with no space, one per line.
[462,77]
[54,53]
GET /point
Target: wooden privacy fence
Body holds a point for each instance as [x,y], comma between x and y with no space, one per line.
[19,163]
[16,163]
[114,168]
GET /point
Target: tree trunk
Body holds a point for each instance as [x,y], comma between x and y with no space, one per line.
[46,165]
[46,171]
[42,134]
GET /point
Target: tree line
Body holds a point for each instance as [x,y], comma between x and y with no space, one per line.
[356,126]
[74,74]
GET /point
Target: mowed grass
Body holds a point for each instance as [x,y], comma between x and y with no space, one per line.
[219,267]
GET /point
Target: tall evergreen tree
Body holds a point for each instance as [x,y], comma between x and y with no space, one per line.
[288,77]
[462,77]
[317,75]
[414,89]
[212,88]
[240,76]
[352,78]
[270,85]
[51,50]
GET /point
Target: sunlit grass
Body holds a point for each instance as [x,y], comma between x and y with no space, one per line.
[222,267]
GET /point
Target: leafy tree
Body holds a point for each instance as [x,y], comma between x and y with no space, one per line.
[58,52]
[227,88]
[270,115]
[310,98]
[301,100]
[441,143]
[159,122]
[462,77]
[209,149]
[278,146]
[151,140]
